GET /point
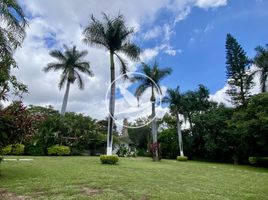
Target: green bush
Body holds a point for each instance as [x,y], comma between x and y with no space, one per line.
[258,161]
[105,159]
[6,150]
[253,160]
[57,150]
[75,151]
[35,150]
[182,158]
[17,149]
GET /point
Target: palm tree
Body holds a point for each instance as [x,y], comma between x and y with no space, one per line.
[151,80]
[261,62]
[14,19]
[71,63]
[12,33]
[112,35]
[175,99]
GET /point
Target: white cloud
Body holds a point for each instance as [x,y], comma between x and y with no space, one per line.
[62,22]
[153,33]
[210,3]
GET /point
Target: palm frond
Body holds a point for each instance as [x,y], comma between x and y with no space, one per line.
[131,50]
[123,68]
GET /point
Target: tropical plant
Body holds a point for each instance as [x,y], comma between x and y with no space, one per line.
[174,98]
[237,65]
[151,80]
[12,33]
[261,62]
[113,35]
[71,63]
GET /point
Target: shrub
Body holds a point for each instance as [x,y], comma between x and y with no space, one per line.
[6,150]
[17,149]
[105,159]
[182,158]
[253,160]
[258,161]
[35,150]
[75,151]
[57,150]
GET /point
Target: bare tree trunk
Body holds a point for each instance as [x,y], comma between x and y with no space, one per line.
[111,108]
[154,129]
[179,134]
[65,98]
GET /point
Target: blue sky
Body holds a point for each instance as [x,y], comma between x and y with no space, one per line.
[201,38]
[187,35]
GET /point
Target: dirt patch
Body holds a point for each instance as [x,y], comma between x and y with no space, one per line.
[90,191]
[5,195]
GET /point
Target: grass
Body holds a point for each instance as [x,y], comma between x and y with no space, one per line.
[133,178]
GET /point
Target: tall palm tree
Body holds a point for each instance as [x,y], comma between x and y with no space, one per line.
[175,99]
[151,81]
[71,63]
[112,35]
[261,62]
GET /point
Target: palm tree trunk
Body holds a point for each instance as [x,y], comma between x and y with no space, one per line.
[179,134]
[154,129]
[111,108]
[65,99]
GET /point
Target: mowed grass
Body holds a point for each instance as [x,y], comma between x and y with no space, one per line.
[133,178]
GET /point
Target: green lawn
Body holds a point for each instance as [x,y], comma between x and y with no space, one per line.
[133,178]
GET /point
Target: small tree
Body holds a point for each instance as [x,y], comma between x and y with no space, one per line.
[237,65]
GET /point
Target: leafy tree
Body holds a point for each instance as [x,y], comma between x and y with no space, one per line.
[113,35]
[239,79]
[249,127]
[151,81]
[261,62]
[71,63]
[17,124]
[214,141]
[174,98]
[194,102]
[12,33]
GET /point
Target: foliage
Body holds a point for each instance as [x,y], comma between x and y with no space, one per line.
[11,36]
[57,150]
[6,150]
[168,139]
[237,64]
[258,161]
[113,35]
[249,127]
[182,158]
[17,124]
[124,151]
[37,149]
[211,137]
[109,159]
[17,149]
